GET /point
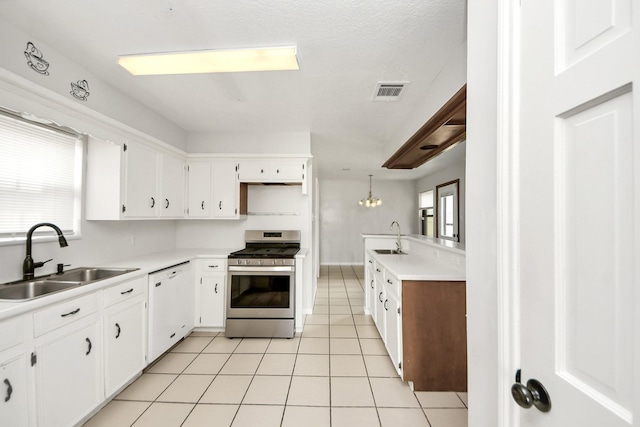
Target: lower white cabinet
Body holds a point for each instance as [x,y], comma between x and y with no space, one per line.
[170,308]
[14,409]
[68,373]
[124,342]
[392,328]
[211,284]
[212,300]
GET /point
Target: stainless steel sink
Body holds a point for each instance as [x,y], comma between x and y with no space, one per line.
[33,289]
[89,274]
[45,285]
[389,252]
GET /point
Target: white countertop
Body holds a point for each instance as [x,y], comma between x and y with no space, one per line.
[146,264]
[412,267]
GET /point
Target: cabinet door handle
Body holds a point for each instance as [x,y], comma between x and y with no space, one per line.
[202,205]
[126,292]
[277,170]
[158,284]
[380,297]
[89,349]
[371,284]
[370,262]
[389,282]
[172,335]
[220,205]
[70,313]
[118,334]
[261,170]
[213,266]
[153,202]
[385,304]
[167,205]
[9,389]
[216,289]
[378,270]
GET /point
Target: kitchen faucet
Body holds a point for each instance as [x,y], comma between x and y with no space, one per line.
[28,266]
[398,242]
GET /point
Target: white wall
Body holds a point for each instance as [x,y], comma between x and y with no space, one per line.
[285,200]
[342,220]
[250,142]
[450,173]
[104,101]
[22,89]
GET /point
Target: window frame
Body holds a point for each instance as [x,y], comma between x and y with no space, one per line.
[46,234]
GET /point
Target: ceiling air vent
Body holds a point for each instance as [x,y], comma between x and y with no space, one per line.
[389,91]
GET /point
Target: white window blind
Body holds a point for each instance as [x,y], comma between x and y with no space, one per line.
[40,175]
[426,199]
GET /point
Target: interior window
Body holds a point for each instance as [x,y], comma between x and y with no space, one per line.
[425,213]
[447,210]
[40,177]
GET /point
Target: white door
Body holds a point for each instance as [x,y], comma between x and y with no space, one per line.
[579,192]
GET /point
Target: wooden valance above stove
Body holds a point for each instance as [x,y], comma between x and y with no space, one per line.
[446,128]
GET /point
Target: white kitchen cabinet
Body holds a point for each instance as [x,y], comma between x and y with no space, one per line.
[172,186]
[133,181]
[140,181]
[378,287]
[272,170]
[14,386]
[393,327]
[369,288]
[124,330]
[200,180]
[226,191]
[171,294]
[212,292]
[68,373]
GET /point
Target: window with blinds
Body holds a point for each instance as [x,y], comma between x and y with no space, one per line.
[40,178]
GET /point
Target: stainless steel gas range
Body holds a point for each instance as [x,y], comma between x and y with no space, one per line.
[261,285]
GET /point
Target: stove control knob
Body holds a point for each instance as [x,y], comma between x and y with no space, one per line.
[261,261]
[247,262]
[238,261]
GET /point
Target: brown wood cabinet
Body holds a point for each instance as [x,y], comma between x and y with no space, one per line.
[434,335]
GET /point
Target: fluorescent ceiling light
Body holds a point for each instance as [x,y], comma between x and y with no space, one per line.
[211,61]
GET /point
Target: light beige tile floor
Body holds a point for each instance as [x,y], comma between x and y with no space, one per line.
[336,373]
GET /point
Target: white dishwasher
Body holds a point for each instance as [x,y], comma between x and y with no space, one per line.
[171,295]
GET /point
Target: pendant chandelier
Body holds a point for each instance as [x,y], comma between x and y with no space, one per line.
[370,201]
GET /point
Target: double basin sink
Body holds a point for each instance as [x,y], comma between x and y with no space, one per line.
[25,290]
[389,252]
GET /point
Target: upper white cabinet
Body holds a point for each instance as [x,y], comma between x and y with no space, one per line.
[133,181]
[214,190]
[226,191]
[199,179]
[272,170]
[172,186]
[140,181]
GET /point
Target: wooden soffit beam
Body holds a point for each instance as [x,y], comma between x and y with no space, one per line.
[447,127]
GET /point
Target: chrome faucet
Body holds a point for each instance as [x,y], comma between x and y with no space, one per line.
[28,266]
[398,242]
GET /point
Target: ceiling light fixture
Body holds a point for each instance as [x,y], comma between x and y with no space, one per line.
[370,201]
[211,61]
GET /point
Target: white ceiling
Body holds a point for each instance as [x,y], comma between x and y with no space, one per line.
[344,48]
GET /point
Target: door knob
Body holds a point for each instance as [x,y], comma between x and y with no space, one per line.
[533,394]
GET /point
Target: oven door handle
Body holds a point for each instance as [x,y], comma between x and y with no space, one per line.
[245,269]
